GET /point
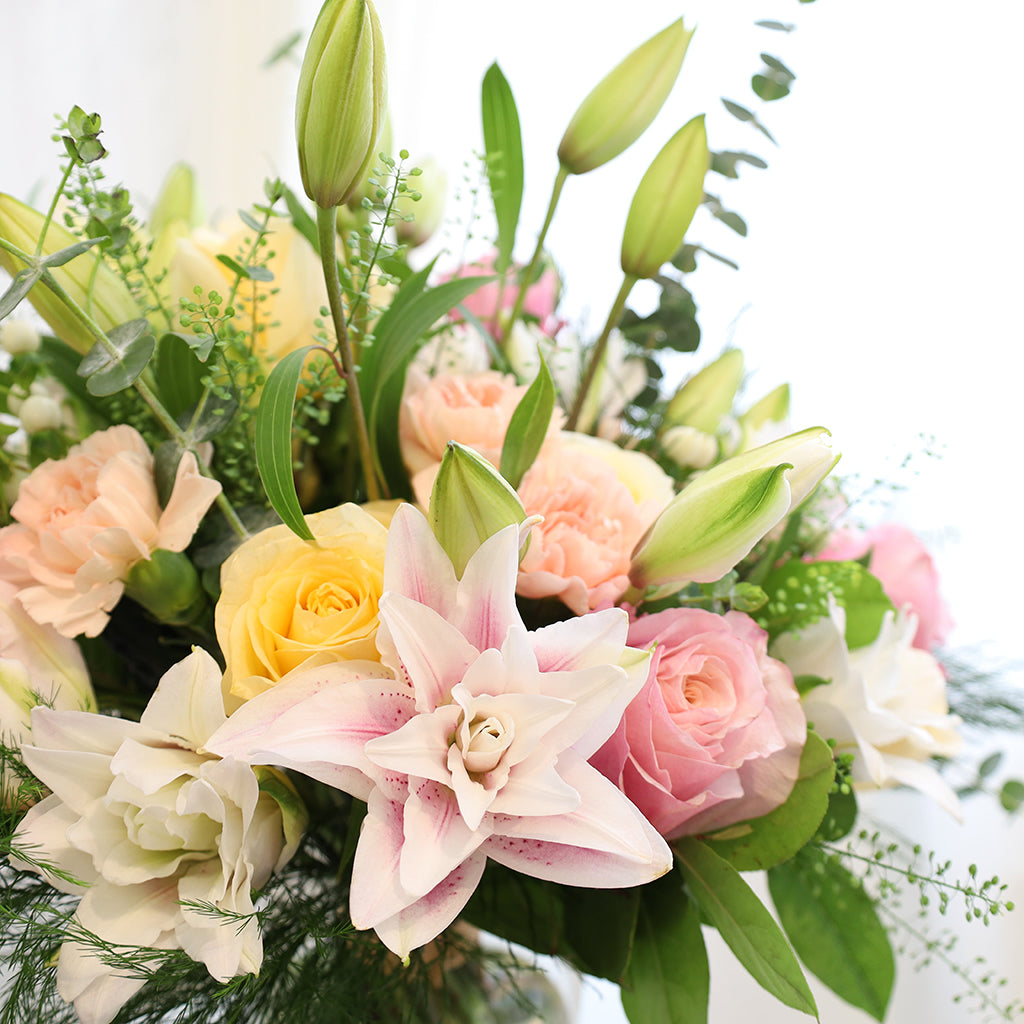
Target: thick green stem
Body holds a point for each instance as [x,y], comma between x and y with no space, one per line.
[597,353]
[326,229]
[527,277]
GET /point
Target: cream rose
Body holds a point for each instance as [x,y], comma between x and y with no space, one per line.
[284,600]
[83,521]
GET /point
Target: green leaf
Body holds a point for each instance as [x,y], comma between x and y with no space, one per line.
[769,87]
[776,26]
[667,980]
[251,222]
[528,426]
[503,146]
[518,908]
[396,337]
[599,926]
[799,591]
[251,273]
[301,220]
[108,372]
[273,440]
[178,373]
[839,818]
[1011,796]
[769,840]
[68,253]
[742,114]
[725,162]
[990,764]
[732,220]
[834,928]
[777,66]
[744,923]
[165,468]
[804,684]
[19,287]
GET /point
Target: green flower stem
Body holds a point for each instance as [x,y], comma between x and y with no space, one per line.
[597,353]
[326,229]
[163,417]
[53,208]
[531,269]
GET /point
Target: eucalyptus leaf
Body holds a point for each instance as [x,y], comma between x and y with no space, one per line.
[251,222]
[776,26]
[769,87]
[1011,796]
[273,440]
[528,426]
[106,372]
[777,66]
[779,835]
[19,287]
[68,253]
[744,923]
[668,979]
[503,145]
[834,928]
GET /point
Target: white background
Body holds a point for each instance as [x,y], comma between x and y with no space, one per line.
[881,276]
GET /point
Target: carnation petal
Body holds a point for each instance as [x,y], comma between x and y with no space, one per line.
[190,500]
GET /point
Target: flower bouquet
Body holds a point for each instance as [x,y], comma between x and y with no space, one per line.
[356,613]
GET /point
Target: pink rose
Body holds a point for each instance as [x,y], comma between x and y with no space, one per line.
[83,521]
[906,571]
[541,296]
[597,500]
[715,736]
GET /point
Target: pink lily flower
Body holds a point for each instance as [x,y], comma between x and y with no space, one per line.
[470,740]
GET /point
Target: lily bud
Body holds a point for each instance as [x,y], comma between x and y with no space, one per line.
[715,521]
[92,285]
[341,101]
[470,501]
[426,213]
[167,585]
[665,201]
[706,398]
[623,104]
[765,415]
[179,201]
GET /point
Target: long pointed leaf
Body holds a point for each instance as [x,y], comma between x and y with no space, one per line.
[503,145]
[273,440]
[528,426]
[745,924]
[668,979]
[834,928]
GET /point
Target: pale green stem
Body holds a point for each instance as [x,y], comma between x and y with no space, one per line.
[326,229]
[527,276]
[597,353]
[163,417]
[53,208]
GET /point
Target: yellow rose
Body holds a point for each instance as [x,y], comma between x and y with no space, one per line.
[284,601]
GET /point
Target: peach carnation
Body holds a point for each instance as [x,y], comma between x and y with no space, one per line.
[84,520]
[596,500]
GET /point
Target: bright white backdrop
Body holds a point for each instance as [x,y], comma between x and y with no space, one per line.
[881,276]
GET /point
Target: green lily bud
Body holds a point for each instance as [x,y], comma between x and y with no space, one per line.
[706,398]
[470,501]
[92,285]
[665,201]
[623,104]
[760,417]
[426,213]
[341,101]
[167,585]
[179,201]
[715,521]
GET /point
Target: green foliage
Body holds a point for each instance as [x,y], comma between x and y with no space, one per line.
[528,426]
[668,980]
[770,840]
[799,594]
[273,440]
[504,159]
[832,924]
[116,364]
[744,923]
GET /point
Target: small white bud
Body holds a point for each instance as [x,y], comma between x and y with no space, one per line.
[40,412]
[19,337]
[689,447]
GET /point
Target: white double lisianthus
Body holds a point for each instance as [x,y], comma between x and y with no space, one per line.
[164,843]
[885,702]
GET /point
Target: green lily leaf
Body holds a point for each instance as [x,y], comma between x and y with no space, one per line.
[503,144]
[744,923]
[834,928]
[528,426]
